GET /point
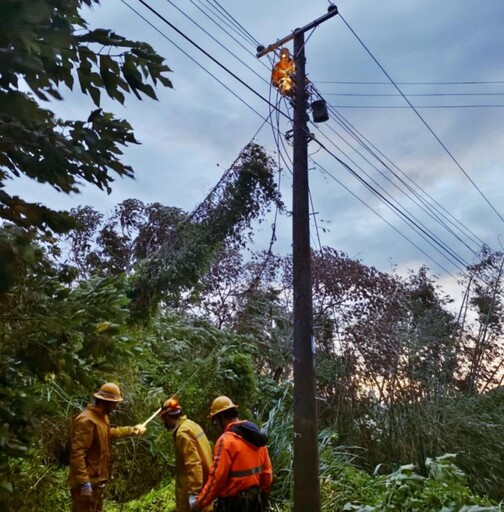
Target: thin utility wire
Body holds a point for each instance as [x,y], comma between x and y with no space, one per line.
[413,198]
[429,208]
[424,122]
[399,209]
[206,53]
[416,95]
[140,15]
[398,231]
[210,7]
[410,83]
[423,206]
[213,59]
[235,21]
[417,107]
[383,159]
[227,33]
[223,46]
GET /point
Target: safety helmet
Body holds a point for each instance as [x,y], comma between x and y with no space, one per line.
[109,392]
[171,407]
[221,404]
[284,51]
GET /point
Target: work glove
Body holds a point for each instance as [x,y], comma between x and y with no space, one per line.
[193,502]
[139,430]
[86,489]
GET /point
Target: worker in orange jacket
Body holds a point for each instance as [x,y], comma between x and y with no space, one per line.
[91,452]
[193,454]
[282,76]
[241,474]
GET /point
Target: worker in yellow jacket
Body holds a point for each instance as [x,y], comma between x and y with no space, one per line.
[90,450]
[193,454]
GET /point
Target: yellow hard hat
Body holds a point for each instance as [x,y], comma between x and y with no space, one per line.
[109,392]
[171,407]
[221,404]
[284,51]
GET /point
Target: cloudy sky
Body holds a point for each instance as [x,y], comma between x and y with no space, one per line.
[439,167]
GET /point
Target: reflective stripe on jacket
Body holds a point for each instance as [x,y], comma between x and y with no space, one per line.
[237,465]
[193,458]
[90,449]
[281,70]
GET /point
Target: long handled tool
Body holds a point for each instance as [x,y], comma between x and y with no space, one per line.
[212,353]
[144,424]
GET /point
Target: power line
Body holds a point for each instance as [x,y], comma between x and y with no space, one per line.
[429,94]
[400,211]
[440,265]
[432,204]
[190,57]
[418,107]
[425,123]
[205,13]
[213,59]
[269,102]
[217,41]
[495,82]
[422,206]
[236,22]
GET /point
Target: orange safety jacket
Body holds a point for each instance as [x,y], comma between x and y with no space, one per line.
[282,69]
[90,449]
[240,462]
[282,76]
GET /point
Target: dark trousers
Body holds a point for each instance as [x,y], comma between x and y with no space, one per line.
[250,500]
[92,503]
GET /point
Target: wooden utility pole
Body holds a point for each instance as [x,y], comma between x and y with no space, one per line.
[306,460]
[306,463]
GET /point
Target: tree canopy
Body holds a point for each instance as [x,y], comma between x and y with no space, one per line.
[45,45]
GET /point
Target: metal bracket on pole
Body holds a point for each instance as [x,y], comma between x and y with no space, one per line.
[262,51]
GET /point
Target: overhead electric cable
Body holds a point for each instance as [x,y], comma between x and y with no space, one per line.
[426,207]
[214,11]
[228,34]
[261,77]
[424,122]
[191,58]
[383,159]
[440,265]
[414,199]
[236,22]
[407,218]
[213,59]
[410,83]
[429,208]
[417,106]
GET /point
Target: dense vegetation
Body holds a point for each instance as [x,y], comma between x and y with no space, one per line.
[392,367]
[165,301]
